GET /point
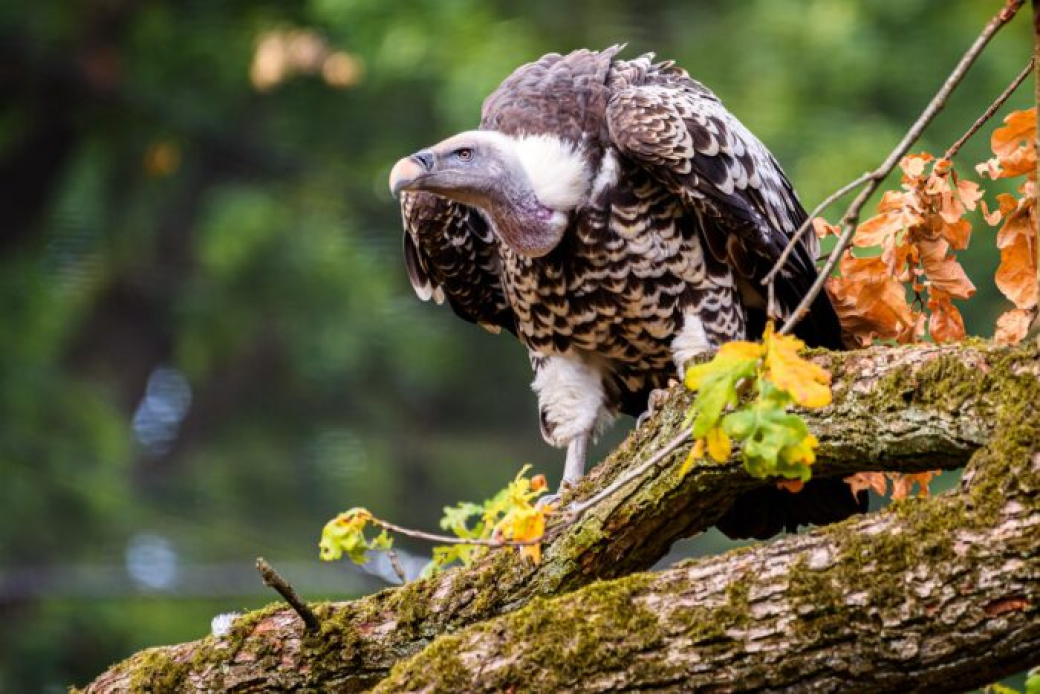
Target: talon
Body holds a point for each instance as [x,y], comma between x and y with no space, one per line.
[548,500]
[656,399]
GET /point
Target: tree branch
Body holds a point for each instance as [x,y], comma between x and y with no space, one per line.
[990,110]
[938,594]
[905,409]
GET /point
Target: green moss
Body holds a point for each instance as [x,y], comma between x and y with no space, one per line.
[812,589]
[705,625]
[555,636]
[441,671]
[411,604]
[154,670]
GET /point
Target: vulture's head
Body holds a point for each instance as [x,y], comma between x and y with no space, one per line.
[526,186]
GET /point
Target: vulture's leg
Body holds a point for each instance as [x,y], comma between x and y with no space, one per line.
[572,406]
[574,466]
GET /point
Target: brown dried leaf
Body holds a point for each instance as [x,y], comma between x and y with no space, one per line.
[822,228]
[1016,276]
[1013,325]
[945,324]
[914,165]
[902,484]
[874,481]
[869,301]
[1014,147]
[943,270]
[877,230]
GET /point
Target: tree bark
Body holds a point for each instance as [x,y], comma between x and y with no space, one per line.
[927,588]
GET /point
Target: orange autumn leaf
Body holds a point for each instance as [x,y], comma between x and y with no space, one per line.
[874,481]
[793,486]
[913,165]
[943,270]
[877,230]
[822,228]
[870,302]
[902,484]
[945,324]
[1013,325]
[1014,147]
[1016,275]
[957,233]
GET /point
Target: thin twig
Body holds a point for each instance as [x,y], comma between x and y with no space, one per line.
[450,540]
[851,217]
[770,279]
[577,509]
[395,564]
[567,517]
[272,579]
[988,113]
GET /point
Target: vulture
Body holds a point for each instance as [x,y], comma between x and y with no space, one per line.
[617,219]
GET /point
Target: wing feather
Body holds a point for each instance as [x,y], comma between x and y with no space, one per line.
[682,135]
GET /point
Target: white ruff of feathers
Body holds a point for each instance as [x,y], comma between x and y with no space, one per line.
[557,170]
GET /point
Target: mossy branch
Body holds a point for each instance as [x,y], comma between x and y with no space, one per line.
[939,594]
[899,409]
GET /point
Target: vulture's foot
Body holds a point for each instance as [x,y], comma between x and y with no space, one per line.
[656,399]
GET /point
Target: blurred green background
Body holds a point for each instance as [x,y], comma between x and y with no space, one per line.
[209,344]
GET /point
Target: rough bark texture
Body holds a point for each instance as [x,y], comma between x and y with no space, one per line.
[928,591]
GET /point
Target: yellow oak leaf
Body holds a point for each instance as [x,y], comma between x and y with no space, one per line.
[696,453]
[718,445]
[807,383]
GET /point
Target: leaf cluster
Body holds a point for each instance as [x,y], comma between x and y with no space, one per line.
[758,383]
[510,516]
[1014,150]
[345,534]
[919,227]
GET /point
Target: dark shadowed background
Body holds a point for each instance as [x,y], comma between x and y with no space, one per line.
[208,343]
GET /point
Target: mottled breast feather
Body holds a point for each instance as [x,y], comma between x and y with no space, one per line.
[450,253]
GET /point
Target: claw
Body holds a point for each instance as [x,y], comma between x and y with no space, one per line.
[549,500]
[656,399]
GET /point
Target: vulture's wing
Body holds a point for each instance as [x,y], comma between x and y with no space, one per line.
[450,254]
[678,131]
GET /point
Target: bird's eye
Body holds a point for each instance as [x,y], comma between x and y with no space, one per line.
[465,154]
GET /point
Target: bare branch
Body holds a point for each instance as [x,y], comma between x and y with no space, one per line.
[273,579]
[988,113]
[576,510]
[851,217]
[770,279]
[395,564]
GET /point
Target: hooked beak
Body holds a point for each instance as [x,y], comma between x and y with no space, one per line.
[408,171]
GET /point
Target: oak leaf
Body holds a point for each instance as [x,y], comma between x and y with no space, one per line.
[945,324]
[1013,325]
[874,481]
[808,383]
[943,270]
